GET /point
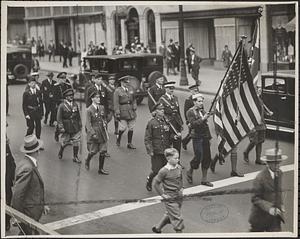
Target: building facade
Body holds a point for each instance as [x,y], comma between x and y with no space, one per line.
[208,26]
[15,24]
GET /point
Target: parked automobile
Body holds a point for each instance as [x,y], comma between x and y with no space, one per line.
[19,61]
[137,66]
[279,97]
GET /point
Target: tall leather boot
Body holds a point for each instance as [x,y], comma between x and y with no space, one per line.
[248,149]
[101,164]
[116,127]
[130,145]
[75,154]
[119,137]
[87,161]
[149,181]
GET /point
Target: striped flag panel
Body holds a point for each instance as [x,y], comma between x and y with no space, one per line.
[238,107]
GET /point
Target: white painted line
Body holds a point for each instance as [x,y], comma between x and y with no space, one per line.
[71,221]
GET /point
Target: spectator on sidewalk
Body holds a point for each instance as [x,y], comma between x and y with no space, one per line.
[35,65]
[177,55]
[51,50]
[195,63]
[60,50]
[170,60]
[226,56]
[70,54]
[189,56]
[163,51]
[65,53]
[41,48]
[102,49]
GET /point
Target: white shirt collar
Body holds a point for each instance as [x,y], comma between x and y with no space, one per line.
[125,88]
[33,160]
[158,85]
[170,96]
[97,87]
[170,167]
[95,105]
[33,90]
[271,173]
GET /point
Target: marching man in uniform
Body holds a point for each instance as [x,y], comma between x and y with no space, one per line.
[155,92]
[69,124]
[48,98]
[158,137]
[172,113]
[125,110]
[96,128]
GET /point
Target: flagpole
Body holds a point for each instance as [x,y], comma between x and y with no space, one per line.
[214,101]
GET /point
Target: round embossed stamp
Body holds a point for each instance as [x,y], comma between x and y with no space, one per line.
[214,213]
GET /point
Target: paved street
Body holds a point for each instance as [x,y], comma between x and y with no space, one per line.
[66,181]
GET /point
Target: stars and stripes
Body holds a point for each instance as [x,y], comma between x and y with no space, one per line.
[254,53]
[238,107]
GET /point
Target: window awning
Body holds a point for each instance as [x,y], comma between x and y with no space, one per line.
[290,26]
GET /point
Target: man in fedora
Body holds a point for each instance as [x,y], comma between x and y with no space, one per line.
[172,113]
[125,110]
[33,107]
[69,124]
[48,86]
[96,128]
[267,210]
[28,196]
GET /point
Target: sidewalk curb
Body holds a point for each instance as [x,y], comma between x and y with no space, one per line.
[176,88]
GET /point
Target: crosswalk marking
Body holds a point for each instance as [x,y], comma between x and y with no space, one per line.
[86,217]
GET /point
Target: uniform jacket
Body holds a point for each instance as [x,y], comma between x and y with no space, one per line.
[68,118]
[28,190]
[58,92]
[264,198]
[96,125]
[196,62]
[156,93]
[125,103]
[110,98]
[32,103]
[48,90]
[103,96]
[188,103]
[158,136]
[199,127]
[172,112]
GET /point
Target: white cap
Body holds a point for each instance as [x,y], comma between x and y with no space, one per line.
[198,95]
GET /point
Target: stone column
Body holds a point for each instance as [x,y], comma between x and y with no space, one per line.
[157,31]
[264,41]
[123,33]
[110,38]
[143,28]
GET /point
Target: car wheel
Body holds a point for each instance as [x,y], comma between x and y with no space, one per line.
[20,71]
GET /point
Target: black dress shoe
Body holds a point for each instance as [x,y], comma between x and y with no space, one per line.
[260,162]
[131,146]
[155,230]
[102,171]
[236,174]
[76,160]
[208,184]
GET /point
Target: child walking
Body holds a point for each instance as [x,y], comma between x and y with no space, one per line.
[170,177]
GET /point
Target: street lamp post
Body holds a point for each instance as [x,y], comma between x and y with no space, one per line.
[183,77]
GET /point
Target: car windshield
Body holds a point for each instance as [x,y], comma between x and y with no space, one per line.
[101,65]
[151,61]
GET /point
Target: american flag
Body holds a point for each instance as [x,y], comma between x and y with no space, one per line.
[238,107]
[254,53]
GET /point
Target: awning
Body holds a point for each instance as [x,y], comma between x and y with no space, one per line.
[290,26]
